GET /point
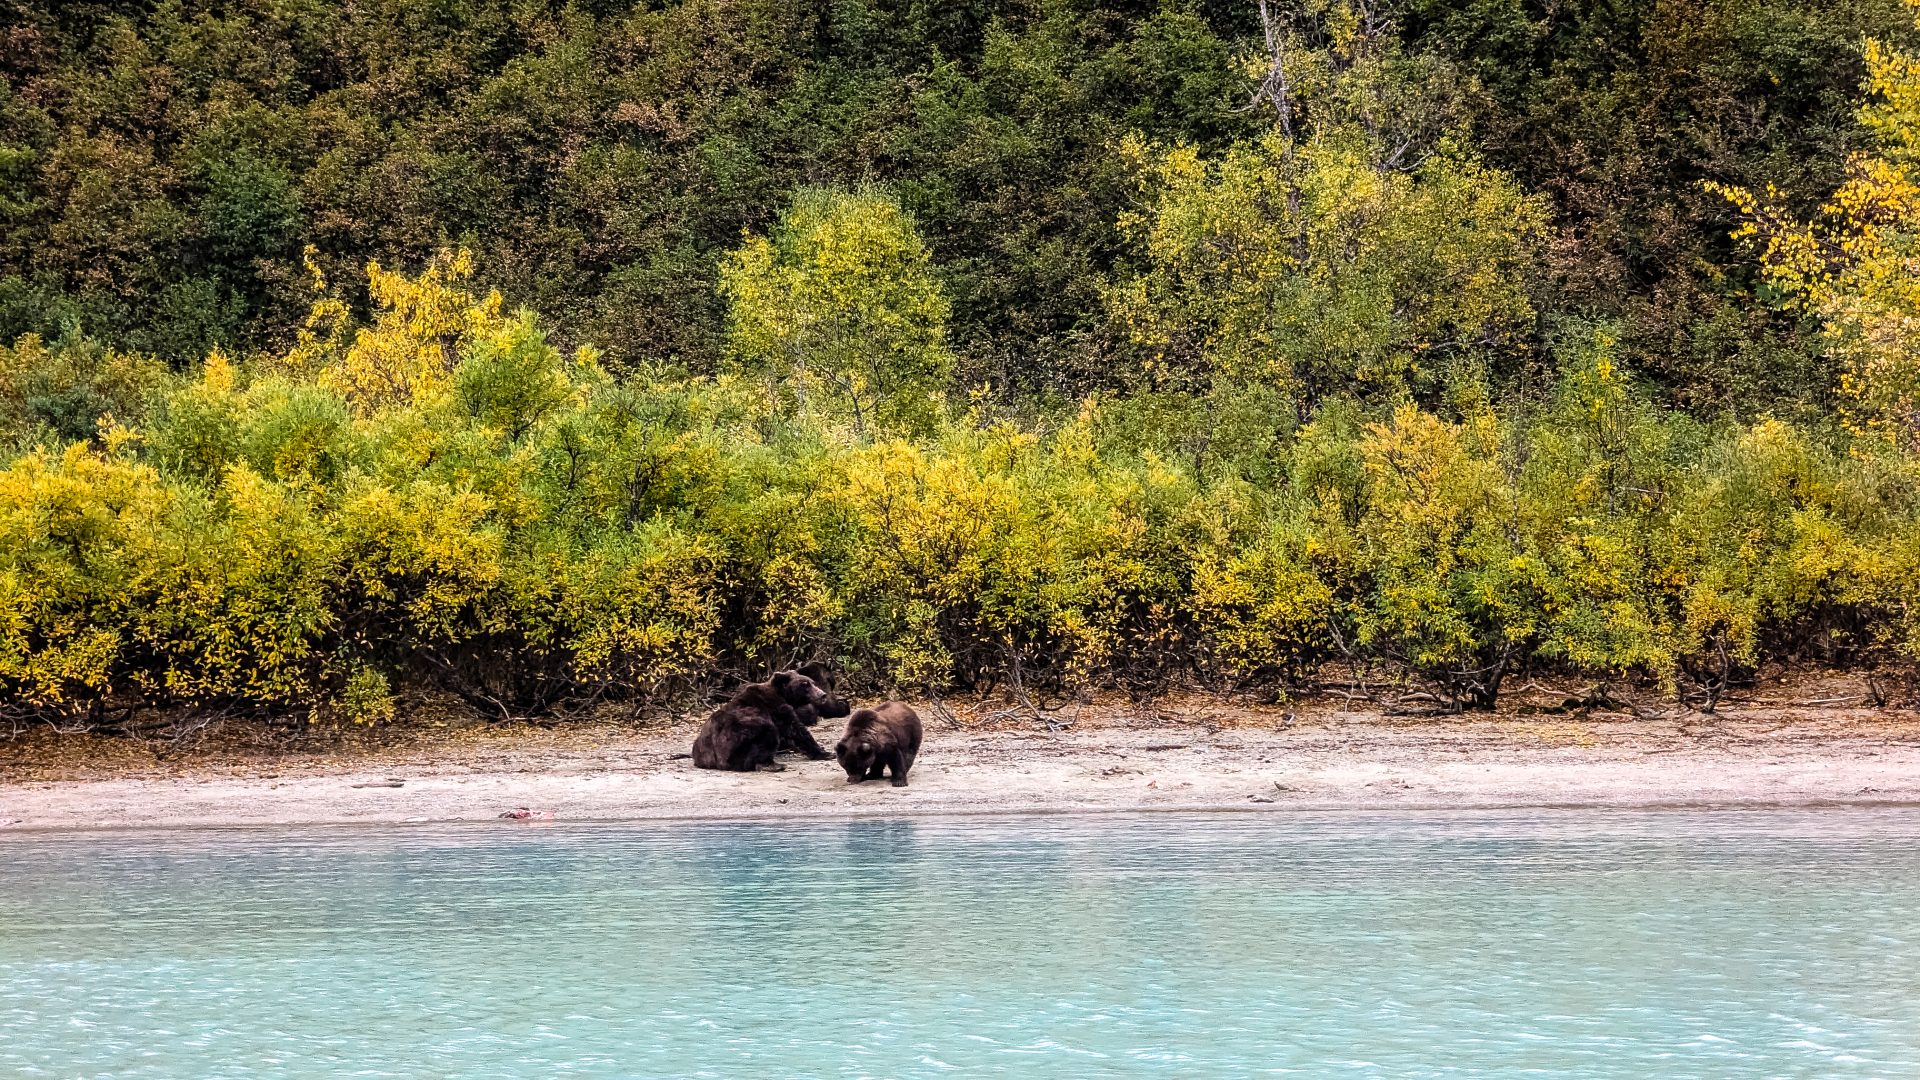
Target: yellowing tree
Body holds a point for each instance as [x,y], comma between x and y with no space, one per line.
[840,303]
[1856,265]
[421,329]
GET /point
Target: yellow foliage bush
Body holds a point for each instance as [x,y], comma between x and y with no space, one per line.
[81,537]
[444,502]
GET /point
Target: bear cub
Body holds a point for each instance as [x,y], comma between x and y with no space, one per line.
[746,732]
[880,739]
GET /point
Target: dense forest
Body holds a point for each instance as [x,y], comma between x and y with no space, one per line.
[549,354]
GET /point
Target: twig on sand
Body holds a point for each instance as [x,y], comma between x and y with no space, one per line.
[939,708]
[1016,681]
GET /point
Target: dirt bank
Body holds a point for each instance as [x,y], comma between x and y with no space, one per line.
[1192,754]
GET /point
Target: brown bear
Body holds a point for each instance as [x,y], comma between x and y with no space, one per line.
[879,739]
[745,733]
[834,707]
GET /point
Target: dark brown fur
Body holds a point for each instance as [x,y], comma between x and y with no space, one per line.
[878,740]
[834,707]
[746,732]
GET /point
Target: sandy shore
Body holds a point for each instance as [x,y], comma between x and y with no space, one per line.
[1205,755]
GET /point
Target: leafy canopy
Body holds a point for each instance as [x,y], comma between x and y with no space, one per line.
[1359,241]
[1856,265]
[839,303]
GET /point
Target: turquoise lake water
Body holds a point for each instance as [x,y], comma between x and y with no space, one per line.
[1550,944]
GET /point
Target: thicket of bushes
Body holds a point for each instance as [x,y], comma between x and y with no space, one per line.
[443,500]
[1332,409]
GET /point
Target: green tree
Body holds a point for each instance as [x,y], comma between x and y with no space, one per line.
[1304,265]
[1359,240]
[1614,109]
[840,305]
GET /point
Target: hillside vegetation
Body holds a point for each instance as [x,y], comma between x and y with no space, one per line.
[551,354]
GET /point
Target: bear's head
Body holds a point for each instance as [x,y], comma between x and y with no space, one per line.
[798,690]
[834,706]
[857,751]
[821,674]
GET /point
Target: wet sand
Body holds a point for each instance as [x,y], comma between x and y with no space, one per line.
[1197,754]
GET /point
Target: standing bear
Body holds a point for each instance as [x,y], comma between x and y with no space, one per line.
[879,739]
[745,733]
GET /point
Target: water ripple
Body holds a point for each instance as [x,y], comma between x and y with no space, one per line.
[1570,944]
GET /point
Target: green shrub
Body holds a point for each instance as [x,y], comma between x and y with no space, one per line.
[530,532]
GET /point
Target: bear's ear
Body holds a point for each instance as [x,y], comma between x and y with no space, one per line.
[781,679]
[866,747]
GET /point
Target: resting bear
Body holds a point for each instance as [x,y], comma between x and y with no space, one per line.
[879,739]
[745,733]
[834,707]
